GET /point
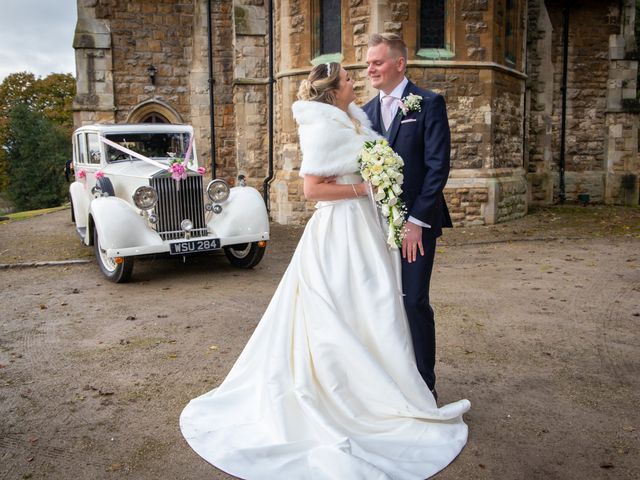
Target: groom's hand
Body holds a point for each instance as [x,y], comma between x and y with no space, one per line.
[412,242]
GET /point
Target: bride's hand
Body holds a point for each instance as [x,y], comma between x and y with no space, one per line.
[363,189]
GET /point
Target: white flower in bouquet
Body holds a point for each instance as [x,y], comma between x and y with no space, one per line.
[397,217]
[382,168]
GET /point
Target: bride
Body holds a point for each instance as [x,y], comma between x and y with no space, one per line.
[327,386]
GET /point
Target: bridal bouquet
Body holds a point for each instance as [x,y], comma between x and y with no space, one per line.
[382,168]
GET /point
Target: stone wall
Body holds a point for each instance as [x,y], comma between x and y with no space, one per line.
[250,90]
[540,92]
[474,30]
[94,100]
[622,182]
[601,139]
[485,107]
[468,95]
[223,74]
[493,147]
[591,24]
[145,34]
[507,112]
[199,86]
[172,37]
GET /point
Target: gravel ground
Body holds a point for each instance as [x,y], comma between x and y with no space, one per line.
[538,325]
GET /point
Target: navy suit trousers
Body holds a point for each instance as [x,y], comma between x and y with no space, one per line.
[416,277]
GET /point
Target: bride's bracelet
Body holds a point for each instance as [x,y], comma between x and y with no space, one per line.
[354,189]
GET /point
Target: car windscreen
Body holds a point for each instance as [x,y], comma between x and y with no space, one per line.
[152,145]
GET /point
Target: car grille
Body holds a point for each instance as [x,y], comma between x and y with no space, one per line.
[177,201]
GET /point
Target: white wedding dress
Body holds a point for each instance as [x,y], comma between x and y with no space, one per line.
[327,386]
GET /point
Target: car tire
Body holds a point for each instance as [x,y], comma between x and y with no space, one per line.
[245,255]
[115,272]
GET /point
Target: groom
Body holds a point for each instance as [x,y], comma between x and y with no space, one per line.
[419,133]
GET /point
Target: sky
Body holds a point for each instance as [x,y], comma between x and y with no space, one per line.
[37,36]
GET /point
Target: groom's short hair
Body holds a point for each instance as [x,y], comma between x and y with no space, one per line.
[393,41]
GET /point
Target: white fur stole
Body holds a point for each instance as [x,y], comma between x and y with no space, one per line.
[329,140]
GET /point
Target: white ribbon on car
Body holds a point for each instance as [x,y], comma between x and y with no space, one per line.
[147,159]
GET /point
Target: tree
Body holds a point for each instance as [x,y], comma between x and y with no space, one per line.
[54,98]
[15,89]
[51,97]
[36,151]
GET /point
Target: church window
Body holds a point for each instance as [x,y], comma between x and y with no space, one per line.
[327,21]
[436,29]
[432,20]
[154,117]
[510,27]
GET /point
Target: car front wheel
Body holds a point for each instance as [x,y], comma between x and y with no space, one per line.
[114,271]
[245,255]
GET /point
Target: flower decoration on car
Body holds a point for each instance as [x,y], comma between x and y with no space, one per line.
[178,169]
[99,174]
[82,174]
[201,170]
[410,103]
[179,166]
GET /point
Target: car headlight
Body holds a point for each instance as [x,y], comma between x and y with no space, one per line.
[218,190]
[145,198]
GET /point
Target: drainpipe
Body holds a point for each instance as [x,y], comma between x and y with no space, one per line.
[271,81]
[212,127]
[526,102]
[563,89]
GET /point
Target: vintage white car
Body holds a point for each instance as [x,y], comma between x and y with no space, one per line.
[139,191]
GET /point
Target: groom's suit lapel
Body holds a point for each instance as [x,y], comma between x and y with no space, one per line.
[397,119]
[376,120]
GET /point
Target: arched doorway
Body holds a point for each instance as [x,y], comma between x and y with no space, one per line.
[153,111]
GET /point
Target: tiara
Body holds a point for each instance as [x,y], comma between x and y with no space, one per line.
[328,69]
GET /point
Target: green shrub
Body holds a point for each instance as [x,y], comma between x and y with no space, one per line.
[36,151]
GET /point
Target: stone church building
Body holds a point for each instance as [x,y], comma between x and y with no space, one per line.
[541,94]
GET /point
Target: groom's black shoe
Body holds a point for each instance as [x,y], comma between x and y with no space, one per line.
[435,394]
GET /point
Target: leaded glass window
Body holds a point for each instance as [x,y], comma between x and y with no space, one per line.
[432,24]
[154,118]
[328,26]
[510,32]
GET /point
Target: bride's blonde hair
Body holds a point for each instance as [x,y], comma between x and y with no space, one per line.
[321,84]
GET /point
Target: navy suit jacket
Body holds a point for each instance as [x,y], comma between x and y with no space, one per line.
[425,147]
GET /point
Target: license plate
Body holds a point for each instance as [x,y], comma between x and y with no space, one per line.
[193,246]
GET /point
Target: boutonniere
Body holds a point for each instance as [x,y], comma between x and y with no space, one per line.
[410,103]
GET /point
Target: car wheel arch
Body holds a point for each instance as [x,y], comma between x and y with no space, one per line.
[105,185]
[91,226]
